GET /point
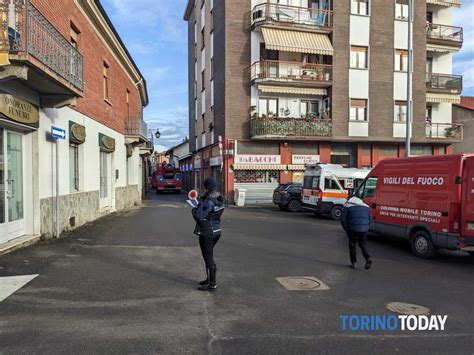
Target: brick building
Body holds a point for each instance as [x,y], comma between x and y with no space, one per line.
[294,81]
[463,114]
[63,64]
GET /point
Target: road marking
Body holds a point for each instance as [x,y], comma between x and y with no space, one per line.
[11,284]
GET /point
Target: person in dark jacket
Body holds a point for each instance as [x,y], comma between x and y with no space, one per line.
[208,227]
[355,220]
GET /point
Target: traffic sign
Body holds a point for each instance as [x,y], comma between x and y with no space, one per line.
[58,133]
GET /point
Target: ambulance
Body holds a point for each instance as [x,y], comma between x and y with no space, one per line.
[428,201]
[327,186]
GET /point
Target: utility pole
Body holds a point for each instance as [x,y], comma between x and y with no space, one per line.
[409,116]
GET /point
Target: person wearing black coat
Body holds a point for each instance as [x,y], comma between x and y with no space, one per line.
[355,220]
[208,228]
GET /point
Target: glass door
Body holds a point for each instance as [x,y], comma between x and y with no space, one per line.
[12,223]
[105,182]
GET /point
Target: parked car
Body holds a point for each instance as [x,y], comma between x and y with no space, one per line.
[428,201]
[288,197]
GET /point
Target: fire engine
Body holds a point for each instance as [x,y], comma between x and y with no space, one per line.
[166,178]
[428,201]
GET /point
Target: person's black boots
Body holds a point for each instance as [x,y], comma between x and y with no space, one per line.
[212,285]
[206,281]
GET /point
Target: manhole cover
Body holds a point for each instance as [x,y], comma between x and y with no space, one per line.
[408,308]
[302,283]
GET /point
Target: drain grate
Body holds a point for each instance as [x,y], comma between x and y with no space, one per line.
[302,283]
[408,309]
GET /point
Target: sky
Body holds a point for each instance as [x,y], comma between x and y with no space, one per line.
[156,36]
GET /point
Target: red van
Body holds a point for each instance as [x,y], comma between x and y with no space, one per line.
[427,200]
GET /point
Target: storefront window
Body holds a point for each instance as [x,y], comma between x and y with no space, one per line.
[256,176]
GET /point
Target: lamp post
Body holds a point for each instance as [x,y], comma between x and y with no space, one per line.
[409,116]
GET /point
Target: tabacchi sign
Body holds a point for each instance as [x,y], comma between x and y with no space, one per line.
[257,159]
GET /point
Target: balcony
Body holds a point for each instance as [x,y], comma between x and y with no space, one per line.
[38,53]
[291,128]
[444,36]
[448,131]
[136,130]
[444,83]
[299,74]
[314,19]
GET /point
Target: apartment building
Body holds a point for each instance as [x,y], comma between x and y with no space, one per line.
[277,84]
[62,64]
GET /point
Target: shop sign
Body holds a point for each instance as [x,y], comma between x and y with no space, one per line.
[77,133]
[106,143]
[197,164]
[257,159]
[301,159]
[19,111]
[215,161]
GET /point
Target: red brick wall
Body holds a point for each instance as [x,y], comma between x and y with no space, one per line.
[61,13]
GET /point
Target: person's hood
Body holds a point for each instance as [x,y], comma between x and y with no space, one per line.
[355,201]
[217,198]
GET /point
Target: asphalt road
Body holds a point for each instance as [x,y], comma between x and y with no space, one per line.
[126,284]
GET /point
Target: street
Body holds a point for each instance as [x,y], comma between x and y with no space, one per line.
[127,284]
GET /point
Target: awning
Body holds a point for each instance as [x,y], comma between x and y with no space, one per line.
[443,98]
[259,167]
[292,90]
[296,167]
[297,41]
[456,3]
[441,49]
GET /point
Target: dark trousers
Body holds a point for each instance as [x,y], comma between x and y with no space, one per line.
[207,245]
[354,239]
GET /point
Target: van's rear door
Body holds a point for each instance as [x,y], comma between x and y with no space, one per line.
[467,207]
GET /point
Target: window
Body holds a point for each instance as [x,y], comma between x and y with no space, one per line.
[106,81]
[268,107]
[331,184]
[128,103]
[203,80]
[309,108]
[422,150]
[401,60]
[429,16]
[203,39]
[195,33]
[73,168]
[429,114]
[388,150]
[203,15]
[203,139]
[368,188]
[74,36]
[358,111]
[400,112]
[359,57]
[360,7]
[211,69]
[212,93]
[203,102]
[401,9]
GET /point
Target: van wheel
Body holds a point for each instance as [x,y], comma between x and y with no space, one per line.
[422,245]
[336,213]
[294,206]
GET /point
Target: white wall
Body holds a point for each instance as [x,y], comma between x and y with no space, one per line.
[256,39]
[400,86]
[89,153]
[358,129]
[399,130]
[360,30]
[443,63]
[441,113]
[401,34]
[358,83]
[441,14]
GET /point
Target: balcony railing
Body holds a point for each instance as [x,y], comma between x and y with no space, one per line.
[291,71]
[444,35]
[444,83]
[30,33]
[292,15]
[276,127]
[453,131]
[136,127]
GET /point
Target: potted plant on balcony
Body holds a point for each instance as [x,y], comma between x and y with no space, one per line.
[320,73]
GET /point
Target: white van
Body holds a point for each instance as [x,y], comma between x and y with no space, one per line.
[327,186]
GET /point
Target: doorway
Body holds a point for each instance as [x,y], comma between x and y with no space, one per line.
[12,221]
[105,180]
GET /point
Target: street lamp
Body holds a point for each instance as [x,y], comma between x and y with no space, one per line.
[157,134]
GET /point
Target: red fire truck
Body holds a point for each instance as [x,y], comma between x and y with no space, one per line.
[166,178]
[428,201]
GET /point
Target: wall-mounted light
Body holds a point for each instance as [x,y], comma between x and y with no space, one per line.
[157,134]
